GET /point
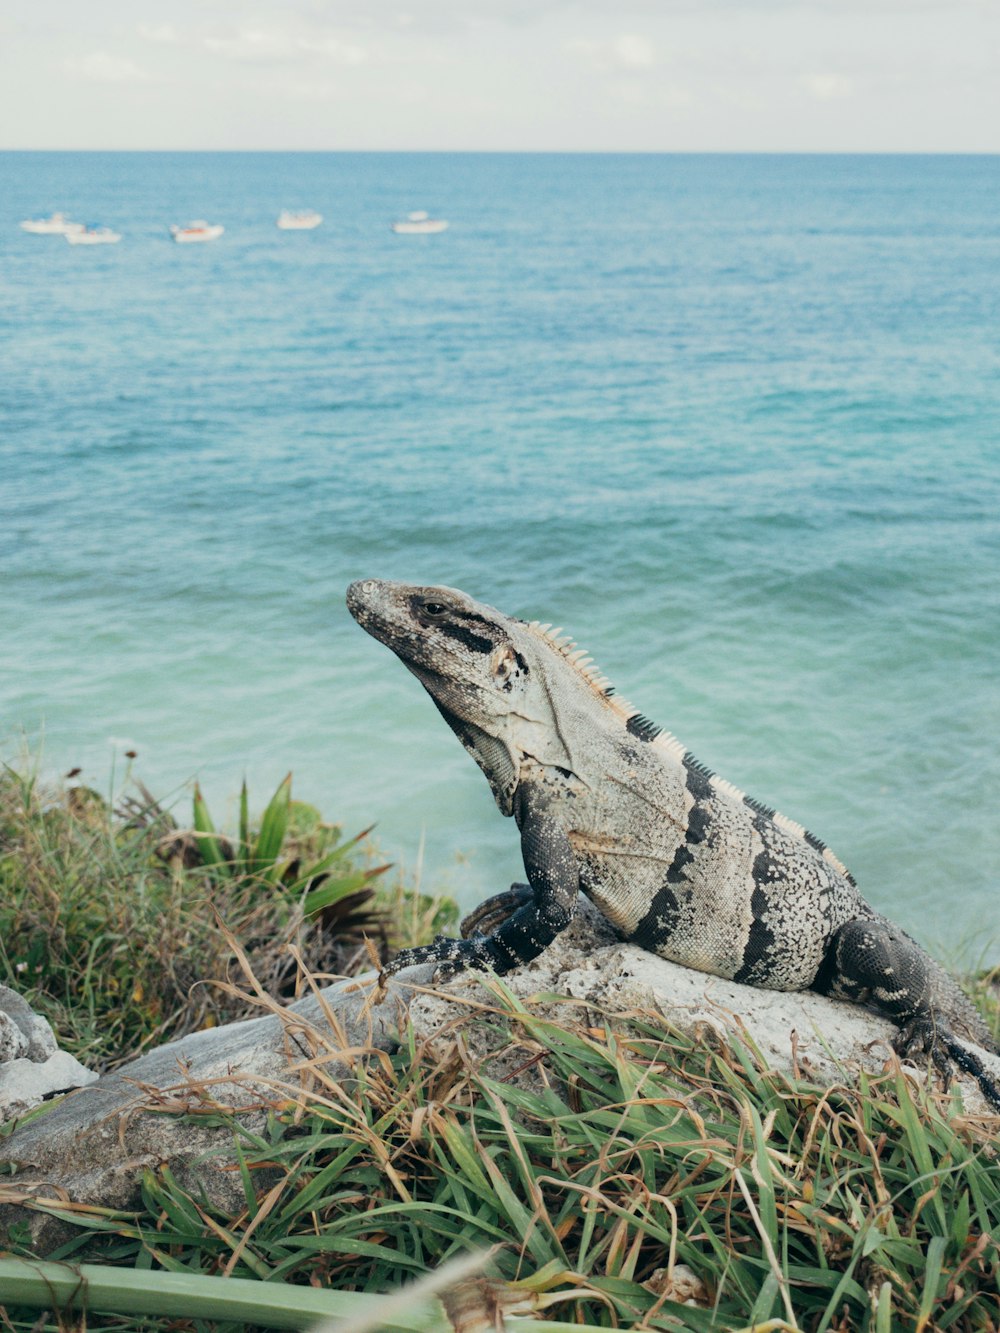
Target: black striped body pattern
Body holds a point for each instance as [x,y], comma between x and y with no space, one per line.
[681,862]
[698,876]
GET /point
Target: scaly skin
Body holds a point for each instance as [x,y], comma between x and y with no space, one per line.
[680,861]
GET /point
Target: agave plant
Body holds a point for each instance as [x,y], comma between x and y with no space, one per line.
[293,849]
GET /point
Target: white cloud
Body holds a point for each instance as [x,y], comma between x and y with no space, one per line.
[819,75]
[250,46]
[649,96]
[340,52]
[101,67]
[827,87]
[255,46]
[163,34]
[626,51]
[633,52]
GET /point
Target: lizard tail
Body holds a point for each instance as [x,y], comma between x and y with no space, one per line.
[969,1063]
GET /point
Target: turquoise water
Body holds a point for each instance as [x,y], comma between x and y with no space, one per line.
[732,421]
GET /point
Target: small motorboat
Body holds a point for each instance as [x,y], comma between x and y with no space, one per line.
[304,221]
[197,231]
[56,225]
[419,224]
[93,236]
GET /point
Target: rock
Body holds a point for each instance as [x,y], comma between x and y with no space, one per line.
[95,1144]
[32,1067]
[795,1033]
[40,1040]
[680,1284]
[13,1042]
[26,1083]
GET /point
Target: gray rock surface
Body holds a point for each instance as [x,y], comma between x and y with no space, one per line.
[39,1039]
[25,1084]
[94,1145]
[13,1042]
[824,1040]
[32,1067]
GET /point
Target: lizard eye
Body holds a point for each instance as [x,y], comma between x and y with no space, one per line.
[435,609]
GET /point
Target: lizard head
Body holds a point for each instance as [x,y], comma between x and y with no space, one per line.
[491,676]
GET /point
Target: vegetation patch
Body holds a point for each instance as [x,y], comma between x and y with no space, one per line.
[115,921]
[611,1172]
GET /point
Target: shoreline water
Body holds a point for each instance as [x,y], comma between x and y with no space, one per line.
[731,422]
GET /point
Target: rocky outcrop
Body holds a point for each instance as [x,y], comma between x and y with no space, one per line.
[32,1068]
[95,1144]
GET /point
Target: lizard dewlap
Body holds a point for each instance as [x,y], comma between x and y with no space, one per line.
[683,863]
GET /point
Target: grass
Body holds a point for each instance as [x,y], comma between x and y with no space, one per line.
[615,1156]
[598,1162]
[114,920]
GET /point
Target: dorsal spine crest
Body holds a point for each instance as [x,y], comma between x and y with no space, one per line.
[647,730]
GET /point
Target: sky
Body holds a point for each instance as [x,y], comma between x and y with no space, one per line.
[507,75]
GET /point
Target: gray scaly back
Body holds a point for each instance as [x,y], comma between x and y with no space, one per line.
[678,859]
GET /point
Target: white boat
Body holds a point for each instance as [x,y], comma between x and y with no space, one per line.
[93,236]
[56,225]
[419,224]
[304,221]
[197,231]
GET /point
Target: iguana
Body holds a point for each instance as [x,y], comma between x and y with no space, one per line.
[680,861]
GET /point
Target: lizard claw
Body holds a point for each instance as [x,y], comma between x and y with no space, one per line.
[919,1036]
[923,1036]
[485,918]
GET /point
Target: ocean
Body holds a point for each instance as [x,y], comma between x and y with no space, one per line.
[733,422]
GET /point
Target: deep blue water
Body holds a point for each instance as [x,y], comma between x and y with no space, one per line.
[733,421]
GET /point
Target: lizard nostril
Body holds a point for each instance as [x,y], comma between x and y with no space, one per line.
[359,595]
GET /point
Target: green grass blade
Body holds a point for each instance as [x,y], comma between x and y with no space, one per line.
[332,890]
[244,826]
[107,1290]
[306,1197]
[932,1275]
[883,1310]
[919,1143]
[323,866]
[273,827]
[208,843]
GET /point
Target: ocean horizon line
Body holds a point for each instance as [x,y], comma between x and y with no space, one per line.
[873,153]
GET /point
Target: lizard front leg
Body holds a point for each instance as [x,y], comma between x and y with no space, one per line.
[546,907]
[873,963]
